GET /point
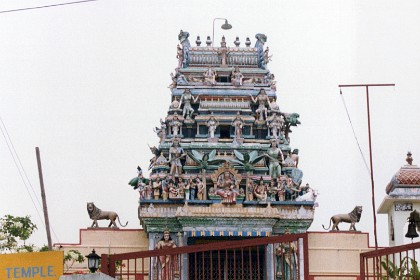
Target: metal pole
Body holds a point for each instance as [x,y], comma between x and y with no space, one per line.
[212,38]
[44,200]
[371,169]
[370,151]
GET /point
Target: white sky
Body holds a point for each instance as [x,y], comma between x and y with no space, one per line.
[88,82]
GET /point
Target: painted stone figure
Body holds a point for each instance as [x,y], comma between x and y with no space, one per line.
[212,125]
[281,191]
[201,189]
[227,188]
[276,125]
[157,186]
[192,189]
[259,45]
[295,157]
[260,191]
[223,52]
[161,132]
[238,124]
[263,101]
[187,99]
[250,190]
[236,77]
[176,153]
[183,39]
[286,261]
[179,55]
[266,57]
[176,125]
[167,265]
[210,77]
[273,154]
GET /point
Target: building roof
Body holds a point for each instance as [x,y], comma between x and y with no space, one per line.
[407,177]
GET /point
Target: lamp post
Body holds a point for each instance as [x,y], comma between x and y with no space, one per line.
[225,26]
[93,261]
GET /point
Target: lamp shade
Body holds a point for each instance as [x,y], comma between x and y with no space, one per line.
[226,25]
[93,261]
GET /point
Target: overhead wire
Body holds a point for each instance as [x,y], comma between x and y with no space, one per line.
[21,170]
[45,6]
[354,133]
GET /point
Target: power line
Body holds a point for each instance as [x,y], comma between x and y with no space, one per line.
[354,133]
[46,6]
[21,170]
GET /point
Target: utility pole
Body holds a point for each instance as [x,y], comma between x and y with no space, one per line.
[370,149]
[44,200]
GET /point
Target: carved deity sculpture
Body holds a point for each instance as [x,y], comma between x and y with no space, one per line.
[223,52]
[212,125]
[157,185]
[167,265]
[176,152]
[266,58]
[176,125]
[273,154]
[238,124]
[259,45]
[192,189]
[295,157]
[210,77]
[236,77]
[161,132]
[183,39]
[274,107]
[263,101]
[281,191]
[227,188]
[276,125]
[286,261]
[201,189]
[187,99]
[250,188]
[260,191]
[179,55]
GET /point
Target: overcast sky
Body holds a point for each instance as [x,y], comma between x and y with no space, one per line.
[88,82]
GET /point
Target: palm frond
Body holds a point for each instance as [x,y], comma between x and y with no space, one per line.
[239,155]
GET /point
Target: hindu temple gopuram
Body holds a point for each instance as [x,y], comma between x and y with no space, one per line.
[225,167]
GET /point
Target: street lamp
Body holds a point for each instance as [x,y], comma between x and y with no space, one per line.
[225,26]
[93,261]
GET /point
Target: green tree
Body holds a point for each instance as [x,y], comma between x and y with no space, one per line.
[14,232]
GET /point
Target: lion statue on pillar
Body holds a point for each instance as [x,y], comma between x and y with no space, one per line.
[353,217]
[97,214]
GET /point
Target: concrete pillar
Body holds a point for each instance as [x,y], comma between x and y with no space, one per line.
[269,264]
[301,261]
[184,259]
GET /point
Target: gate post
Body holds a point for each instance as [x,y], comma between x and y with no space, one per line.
[269,257]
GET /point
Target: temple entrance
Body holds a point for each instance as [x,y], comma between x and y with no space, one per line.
[243,263]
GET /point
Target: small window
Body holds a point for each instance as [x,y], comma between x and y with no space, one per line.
[223,79]
[224,131]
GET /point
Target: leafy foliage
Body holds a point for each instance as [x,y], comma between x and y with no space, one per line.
[408,269]
[247,160]
[14,231]
[206,160]
[71,257]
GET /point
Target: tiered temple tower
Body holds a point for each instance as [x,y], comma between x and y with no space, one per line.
[224,167]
